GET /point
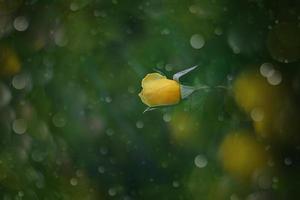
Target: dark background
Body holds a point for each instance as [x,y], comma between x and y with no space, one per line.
[72,124]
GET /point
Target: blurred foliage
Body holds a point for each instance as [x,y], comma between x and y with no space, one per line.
[72,124]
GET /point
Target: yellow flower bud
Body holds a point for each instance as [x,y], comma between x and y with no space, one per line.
[159,91]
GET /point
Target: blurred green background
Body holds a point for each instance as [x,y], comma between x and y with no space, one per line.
[72,124]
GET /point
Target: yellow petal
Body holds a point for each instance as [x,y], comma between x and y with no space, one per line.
[144,100]
[152,77]
[160,92]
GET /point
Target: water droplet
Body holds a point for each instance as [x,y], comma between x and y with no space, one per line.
[229,77]
[59,120]
[139,124]
[257,114]
[194,9]
[165,31]
[21,23]
[79,173]
[275,179]
[108,99]
[112,192]
[43,129]
[60,37]
[103,150]
[131,89]
[167,117]
[74,181]
[21,193]
[288,161]
[200,161]
[218,31]
[175,184]
[19,126]
[164,164]
[275,78]
[20,81]
[168,67]
[48,74]
[74,6]
[266,70]
[197,41]
[101,169]
[109,132]
[221,117]
[236,50]
[234,41]
[40,184]
[5,95]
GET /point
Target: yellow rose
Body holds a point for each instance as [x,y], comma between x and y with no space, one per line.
[159,91]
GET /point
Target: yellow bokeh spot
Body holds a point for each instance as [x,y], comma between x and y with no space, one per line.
[185,130]
[251,90]
[9,62]
[261,101]
[241,155]
[7,7]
